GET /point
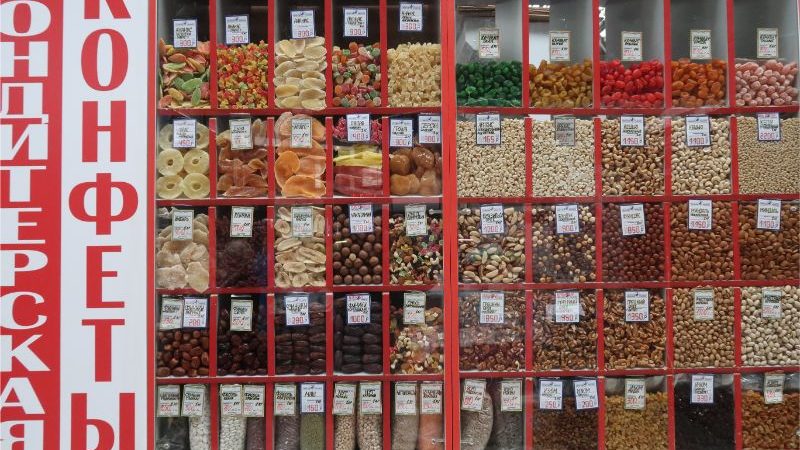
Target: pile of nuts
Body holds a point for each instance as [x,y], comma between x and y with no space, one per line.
[241,261]
[358,347]
[568,428]
[633,344]
[640,85]
[242,75]
[770,341]
[415,75]
[701,254]
[243,173]
[559,85]
[200,427]
[763,83]
[633,170]
[344,432]
[416,259]
[496,258]
[701,342]
[356,256]
[701,170]
[492,346]
[182,353]
[416,348]
[242,352]
[182,171]
[769,254]
[704,426]
[770,426]
[637,428]
[570,346]
[566,257]
[300,73]
[633,258]
[299,261]
[768,166]
[560,170]
[491,170]
[405,427]
[300,349]
[183,263]
[697,84]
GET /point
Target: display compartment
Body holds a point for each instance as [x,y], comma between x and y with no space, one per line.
[633,250]
[700,165]
[704,411]
[493,413]
[634,329]
[770,403]
[183,244]
[563,156]
[183,158]
[358,333]
[701,241]
[300,415]
[242,335]
[560,419]
[416,245]
[492,249]
[359,155]
[358,54]
[302,247]
[183,340]
[636,413]
[244,157]
[703,327]
[768,240]
[765,157]
[302,166]
[415,155]
[241,251]
[416,329]
[242,423]
[633,155]
[492,331]
[417,416]
[768,316]
[565,333]
[300,334]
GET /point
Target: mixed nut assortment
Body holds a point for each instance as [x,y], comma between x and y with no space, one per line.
[414,257]
[417,347]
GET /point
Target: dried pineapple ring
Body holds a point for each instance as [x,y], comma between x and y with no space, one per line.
[197,276]
[169,187]
[169,162]
[200,136]
[195,161]
[196,185]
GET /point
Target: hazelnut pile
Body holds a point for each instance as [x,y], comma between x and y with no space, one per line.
[701,254]
[703,342]
[633,344]
[769,254]
[567,257]
[564,345]
[633,258]
[633,170]
[495,347]
[356,256]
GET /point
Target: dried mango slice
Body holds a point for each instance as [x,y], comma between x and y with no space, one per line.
[259,133]
[195,161]
[315,41]
[286,48]
[303,186]
[285,67]
[169,162]
[286,165]
[169,187]
[312,166]
[197,276]
[196,185]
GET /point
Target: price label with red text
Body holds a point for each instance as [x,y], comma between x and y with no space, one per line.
[182,225]
[585,394]
[771,303]
[253,400]
[416,220]
[769,214]
[242,221]
[637,306]
[303,24]
[702,389]
[430,398]
[489,43]
[704,304]
[635,393]
[370,398]
[769,127]
[487,129]
[568,306]
[297,310]
[184,133]
[230,396]
[410,16]
[358,309]
[169,401]
[195,312]
[171,313]
[358,127]
[551,394]
[405,399]
[632,46]
[355,22]
[430,129]
[698,131]
[344,399]
[631,131]
[564,131]
[700,44]
[472,397]
[193,400]
[401,132]
[413,308]
[241,313]
[559,46]
[284,401]
[361,220]
[633,220]
[184,33]
[700,214]
[511,395]
[312,398]
[301,133]
[492,220]
[567,219]
[302,221]
[491,307]
[773,388]
[237,30]
[767,43]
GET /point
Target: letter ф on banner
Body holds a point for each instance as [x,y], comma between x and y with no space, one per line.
[103,216]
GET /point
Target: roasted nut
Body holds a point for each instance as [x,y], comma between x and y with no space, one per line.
[357,257]
[492,346]
[702,342]
[564,345]
[497,258]
[771,341]
[635,257]
[704,426]
[566,257]
[242,352]
[701,254]
[491,170]
[701,170]
[769,254]
[633,344]
[563,171]
[768,166]
[633,170]
[300,349]
[561,85]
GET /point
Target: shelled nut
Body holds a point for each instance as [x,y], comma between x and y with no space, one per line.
[701,170]
[762,83]
[300,349]
[697,84]
[416,348]
[299,261]
[702,342]
[633,170]
[567,428]
[182,353]
[769,254]
[633,344]
[497,258]
[415,75]
[560,85]
[357,257]
[770,341]
[564,345]
[495,346]
[357,347]
[491,170]
[241,261]
[703,426]
[768,166]
[242,352]
[637,429]
[635,257]
[416,259]
[701,254]
[770,426]
[561,170]
[566,257]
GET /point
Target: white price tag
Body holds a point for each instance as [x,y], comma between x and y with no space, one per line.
[284,401]
[358,309]
[489,43]
[769,127]
[410,16]
[632,46]
[700,214]
[698,131]
[253,400]
[195,312]
[559,46]
[767,43]
[355,22]
[358,127]
[700,44]
[361,220]
[551,394]
[193,400]
[771,303]
[301,133]
[405,399]
[632,217]
[631,131]
[567,219]
[303,24]
[171,313]
[184,133]
[635,397]
[492,220]
[637,306]
[182,225]
[704,304]
[241,313]
[430,398]
[773,388]
[413,308]
[564,131]
[302,221]
[702,389]
[369,401]
[487,129]
[241,134]
[492,306]
[242,221]
[472,397]
[585,394]
[237,30]
[169,401]
[230,396]
[430,129]
[344,399]
[511,395]
[297,310]
[568,306]
[769,214]
[401,133]
[312,398]
[416,220]
[184,33]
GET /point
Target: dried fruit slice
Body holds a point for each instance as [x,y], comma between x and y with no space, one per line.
[196,185]
[315,41]
[283,228]
[299,45]
[316,53]
[312,166]
[310,255]
[167,259]
[286,48]
[286,165]
[259,132]
[169,187]
[309,94]
[200,136]
[303,186]
[312,83]
[284,67]
[225,182]
[313,103]
[171,277]
[287,90]
[294,267]
[197,276]
[195,161]
[291,102]
[169,162]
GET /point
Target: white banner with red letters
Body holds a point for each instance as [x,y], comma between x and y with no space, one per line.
[74,210]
